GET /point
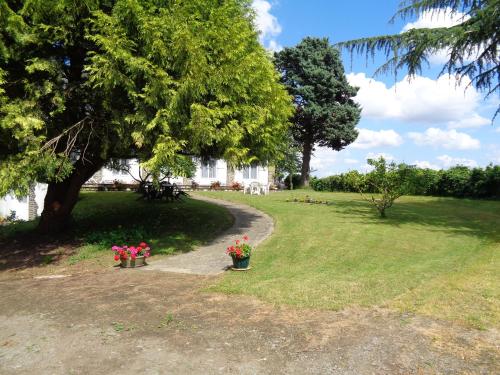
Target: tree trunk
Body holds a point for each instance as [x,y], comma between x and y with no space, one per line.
[306,161]
[62,196]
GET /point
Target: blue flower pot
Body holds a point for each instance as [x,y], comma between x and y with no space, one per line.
[241,263]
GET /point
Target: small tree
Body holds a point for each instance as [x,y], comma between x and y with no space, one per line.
[386,183]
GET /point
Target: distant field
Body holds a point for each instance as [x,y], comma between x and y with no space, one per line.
[434,256]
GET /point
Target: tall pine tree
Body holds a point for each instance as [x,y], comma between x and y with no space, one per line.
[325,114]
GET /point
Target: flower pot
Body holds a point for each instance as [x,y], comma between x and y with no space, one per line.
[241,263]
[132,263]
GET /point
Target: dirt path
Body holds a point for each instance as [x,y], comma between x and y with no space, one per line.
[211,259]
[129,322]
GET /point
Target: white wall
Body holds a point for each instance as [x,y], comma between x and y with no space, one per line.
[220,173]
[108,176]
[40,192]
[10,203]
[21,206]
[262,176]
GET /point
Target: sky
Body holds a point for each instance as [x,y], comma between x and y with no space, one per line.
[430,121]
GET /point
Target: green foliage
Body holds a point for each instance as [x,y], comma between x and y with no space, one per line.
[472,44]
[386,183]
[457,182]
[290,161]
[292,181]
[83,81]
[119,236]
[325,113]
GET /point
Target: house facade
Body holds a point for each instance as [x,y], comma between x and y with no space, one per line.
[207,172]
[25,208]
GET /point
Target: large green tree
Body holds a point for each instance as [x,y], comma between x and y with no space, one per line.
[472,45]
[325,114]
[85,81]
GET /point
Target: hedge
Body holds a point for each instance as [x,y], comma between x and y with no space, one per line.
[457,182]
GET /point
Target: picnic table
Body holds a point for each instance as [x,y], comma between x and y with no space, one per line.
[166,190]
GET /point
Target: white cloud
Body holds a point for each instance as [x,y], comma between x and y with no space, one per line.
[449,139]
[439,18]
[323,160]
[426,164]
[433,19]
[274,46]
[474,121]
[267,24]
[372,138]
[351,161]
[448,161]
[377,155]
[445,100]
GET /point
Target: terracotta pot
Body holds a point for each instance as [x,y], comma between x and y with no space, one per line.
[132,263]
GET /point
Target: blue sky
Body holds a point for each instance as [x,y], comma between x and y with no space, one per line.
[430,122]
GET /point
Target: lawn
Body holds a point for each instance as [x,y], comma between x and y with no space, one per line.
[106,218]
[433,256]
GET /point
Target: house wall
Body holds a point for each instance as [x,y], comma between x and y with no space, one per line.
[22,206]
[262,176]
[10,203]
[220,173]
[108,176]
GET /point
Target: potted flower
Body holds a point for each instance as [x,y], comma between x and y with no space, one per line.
[240,253]
[133,256]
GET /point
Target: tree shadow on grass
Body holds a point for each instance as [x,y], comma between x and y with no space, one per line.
[458,216]
[105,219]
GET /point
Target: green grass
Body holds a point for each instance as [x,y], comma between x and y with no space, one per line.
[103,219]
[434,256]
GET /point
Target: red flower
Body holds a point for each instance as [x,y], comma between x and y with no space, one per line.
[124,256]
[139,249]
[133,256]
[237,242]
[117,257]
[245,238]
[143,245]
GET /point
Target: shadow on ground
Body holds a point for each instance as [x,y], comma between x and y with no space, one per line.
[456,216]
[103,219]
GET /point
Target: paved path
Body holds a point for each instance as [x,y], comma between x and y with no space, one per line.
[212,259]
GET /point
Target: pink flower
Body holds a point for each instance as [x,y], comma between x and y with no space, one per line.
[147,254]
[245,237]
[132,256]
[115,248]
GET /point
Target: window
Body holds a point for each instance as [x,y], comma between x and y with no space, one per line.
[250,172]
[208,168]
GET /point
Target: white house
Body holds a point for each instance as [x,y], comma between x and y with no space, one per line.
[207,172]
[26,208]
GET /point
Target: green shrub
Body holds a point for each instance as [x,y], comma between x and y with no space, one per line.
[295,181]
[459,181]
[118,236]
